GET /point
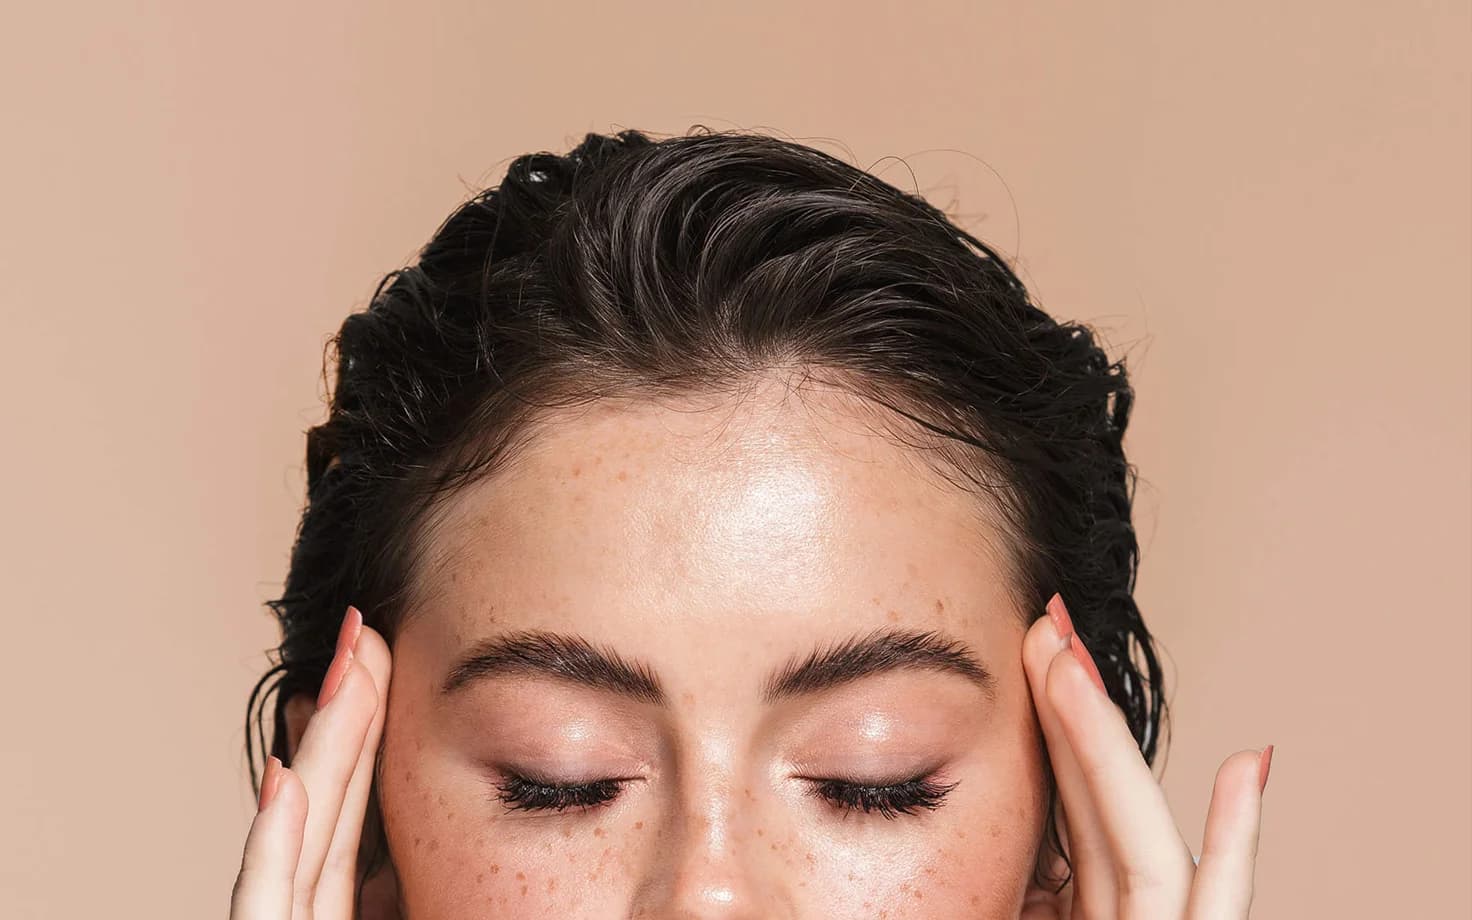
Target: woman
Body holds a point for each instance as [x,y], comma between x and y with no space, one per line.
[710,494]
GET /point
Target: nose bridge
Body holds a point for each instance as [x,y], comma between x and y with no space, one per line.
[711,863]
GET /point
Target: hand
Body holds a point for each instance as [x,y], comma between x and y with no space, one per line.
[1129,859]
[300,862]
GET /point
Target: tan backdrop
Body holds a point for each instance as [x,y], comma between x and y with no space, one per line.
[1265,205]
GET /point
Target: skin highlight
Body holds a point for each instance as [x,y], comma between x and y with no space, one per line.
[716,548]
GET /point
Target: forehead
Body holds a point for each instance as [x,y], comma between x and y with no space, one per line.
[775,518]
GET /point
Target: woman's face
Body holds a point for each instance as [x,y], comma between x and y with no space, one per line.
[713,636]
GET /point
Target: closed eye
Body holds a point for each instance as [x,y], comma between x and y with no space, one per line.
[921,793]
[890,800]
[519,793]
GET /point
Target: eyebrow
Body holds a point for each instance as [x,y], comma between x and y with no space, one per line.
[575,660]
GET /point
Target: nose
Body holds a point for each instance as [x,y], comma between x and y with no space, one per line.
[710,862]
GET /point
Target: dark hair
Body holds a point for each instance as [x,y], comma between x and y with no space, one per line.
[641,267]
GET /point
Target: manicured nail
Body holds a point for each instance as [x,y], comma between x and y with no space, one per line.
[1076,645]
[1264,764]
[1062,622]
[351,630]
[269,782]
[347,641]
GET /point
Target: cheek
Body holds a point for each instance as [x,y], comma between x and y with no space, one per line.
[971,859]
[457,854]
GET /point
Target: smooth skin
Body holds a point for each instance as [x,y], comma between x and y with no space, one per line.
[715,824]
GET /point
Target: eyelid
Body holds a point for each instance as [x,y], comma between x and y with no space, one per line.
[896,778]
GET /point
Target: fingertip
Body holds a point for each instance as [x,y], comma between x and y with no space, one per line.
[355,679]
[1235,789]
[1063,674]
[1040,644]
[375,655]
[291,792]
[1240,769]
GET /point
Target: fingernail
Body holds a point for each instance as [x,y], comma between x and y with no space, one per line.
[351,630]
[269,782]
[1264,764]
[1062,622]
[1076,645]
[347,640]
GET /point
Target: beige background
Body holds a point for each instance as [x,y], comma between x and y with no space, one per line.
[1265,205]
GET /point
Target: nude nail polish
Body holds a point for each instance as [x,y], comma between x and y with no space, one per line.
[269,782]
[1076,646]
[1264,763]
[1062,622]
[347,641]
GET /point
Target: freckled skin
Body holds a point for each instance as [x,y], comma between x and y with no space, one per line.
[715,546]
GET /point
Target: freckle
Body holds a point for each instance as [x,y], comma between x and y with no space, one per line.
[760,832]
[434,845]
[495,869]
[523,891]
[747,790]
[599,832]
[521,876]
[638,825]
[975,900]
[622,475]
[480,878]
[567,833]
[449,816]
[577,471]
[893,616]
[687,699]
[940,606]
[551,885]
[418,841]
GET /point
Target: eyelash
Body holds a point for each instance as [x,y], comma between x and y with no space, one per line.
[522,794]
[892,800]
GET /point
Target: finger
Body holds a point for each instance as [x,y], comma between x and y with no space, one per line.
[1223,886]
[263,888]
[337,885]
[1088,846]
[325,762]
[1153,866]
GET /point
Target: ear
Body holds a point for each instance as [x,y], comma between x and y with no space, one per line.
[298,712]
